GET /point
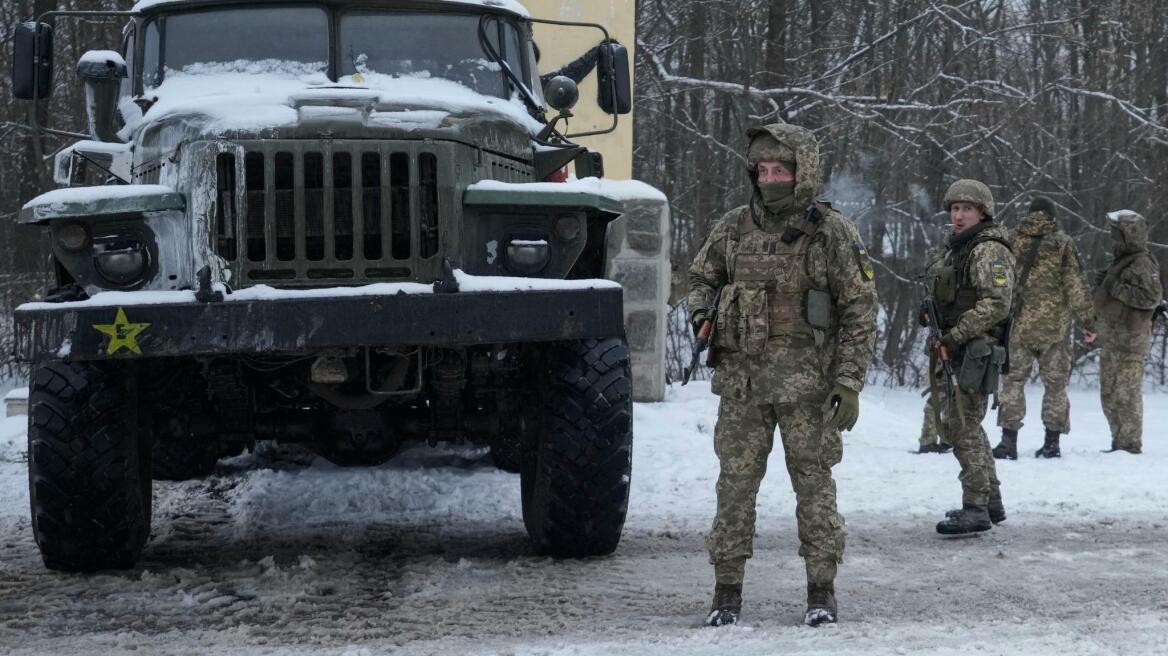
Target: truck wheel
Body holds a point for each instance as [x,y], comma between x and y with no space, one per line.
[88,487]
[575,482]
[175,460]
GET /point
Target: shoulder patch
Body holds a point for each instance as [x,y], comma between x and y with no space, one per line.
[1082,262]
[998,269]
[864,262]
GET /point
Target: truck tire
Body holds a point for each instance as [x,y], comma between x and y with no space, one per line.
[175,460]
[89,488]
[575,482]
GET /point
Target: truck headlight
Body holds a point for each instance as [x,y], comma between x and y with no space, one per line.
[122,263]
[568,227]
[527,255]
[72,237]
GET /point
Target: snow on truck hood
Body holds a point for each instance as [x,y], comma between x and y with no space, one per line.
[466,283]
[262,95]
[509,5]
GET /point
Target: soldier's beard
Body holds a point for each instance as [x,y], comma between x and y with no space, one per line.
[777,196]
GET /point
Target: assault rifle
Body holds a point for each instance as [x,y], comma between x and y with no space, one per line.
[702,339]
[953,400]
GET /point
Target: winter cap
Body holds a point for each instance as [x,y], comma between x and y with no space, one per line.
[1042,204]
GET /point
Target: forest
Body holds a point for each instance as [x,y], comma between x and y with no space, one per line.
[1067,98]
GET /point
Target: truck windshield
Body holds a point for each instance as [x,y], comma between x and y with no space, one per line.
[420,45]
[294,41]
[287,40]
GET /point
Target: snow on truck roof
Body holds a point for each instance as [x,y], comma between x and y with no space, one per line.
[512,6]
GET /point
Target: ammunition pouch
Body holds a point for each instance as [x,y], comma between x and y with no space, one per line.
[819,314]
[749,315]
[981,366]
[818,309]
[945,285]
[726,337]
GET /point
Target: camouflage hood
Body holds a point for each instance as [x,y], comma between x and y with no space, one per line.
[1129,232]
[1037,224]
[789,138]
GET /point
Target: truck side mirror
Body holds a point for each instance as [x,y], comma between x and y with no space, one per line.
[102,72]
[613,67]
[32,61]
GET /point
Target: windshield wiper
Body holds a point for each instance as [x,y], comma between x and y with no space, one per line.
[488,49]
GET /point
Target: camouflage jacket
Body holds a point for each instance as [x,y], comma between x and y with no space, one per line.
[973,281]
[787,368]
[1128,292]
[1056,285]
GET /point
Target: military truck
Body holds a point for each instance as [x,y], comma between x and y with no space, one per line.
[340,223]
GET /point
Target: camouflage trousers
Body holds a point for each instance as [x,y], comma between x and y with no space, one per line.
[930,431]
[743,439]
[1121,378]
[979,475]
[1054,367]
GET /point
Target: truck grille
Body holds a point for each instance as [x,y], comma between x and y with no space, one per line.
[309,213]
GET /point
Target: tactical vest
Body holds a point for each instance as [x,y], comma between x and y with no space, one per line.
[1115,311]
[773,295]
[953,288]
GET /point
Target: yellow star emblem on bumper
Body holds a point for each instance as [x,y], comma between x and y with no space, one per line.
[122,333]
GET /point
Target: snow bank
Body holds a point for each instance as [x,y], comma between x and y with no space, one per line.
[621,190]
[673,455]
[13,444]
[18,394]
[466,283]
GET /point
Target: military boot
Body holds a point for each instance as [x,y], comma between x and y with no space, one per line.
[821,608]
[1050,446]
[934,448]
[996,510]
[970,519]
[1008,447]
[727,604]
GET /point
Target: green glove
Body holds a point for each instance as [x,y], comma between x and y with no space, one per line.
[842,408]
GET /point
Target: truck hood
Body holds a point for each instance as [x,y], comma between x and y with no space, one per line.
[249,105]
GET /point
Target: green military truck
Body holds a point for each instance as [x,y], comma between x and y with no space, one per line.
[330,222]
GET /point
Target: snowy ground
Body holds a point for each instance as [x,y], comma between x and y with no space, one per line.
[427,554]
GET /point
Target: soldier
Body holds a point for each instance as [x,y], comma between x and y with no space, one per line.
[1126,298]
[1050,286]
[971,285]
[932,441]
[794,334]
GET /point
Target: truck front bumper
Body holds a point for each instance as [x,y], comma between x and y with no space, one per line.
[79,331]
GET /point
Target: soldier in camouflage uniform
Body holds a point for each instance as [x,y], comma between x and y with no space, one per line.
[1050,286]
[794,335]
[971,284]
[1126,297]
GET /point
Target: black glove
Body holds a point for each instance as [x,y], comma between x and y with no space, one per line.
[923,316]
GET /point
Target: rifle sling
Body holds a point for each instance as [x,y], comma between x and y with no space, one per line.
[1024,275]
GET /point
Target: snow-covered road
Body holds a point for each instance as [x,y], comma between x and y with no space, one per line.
[279,553]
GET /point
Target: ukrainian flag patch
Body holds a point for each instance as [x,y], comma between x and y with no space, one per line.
[864,262]
[998,269]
